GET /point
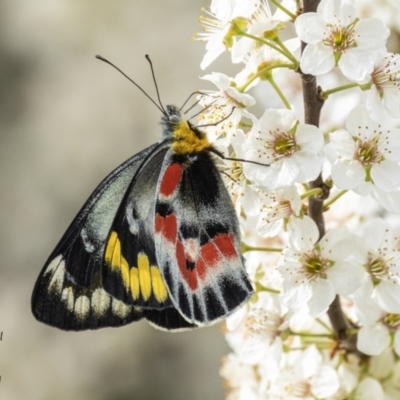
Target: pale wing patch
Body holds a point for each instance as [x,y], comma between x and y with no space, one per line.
[101,301]
[82,307]
[119,308]
[67,297]
[57,269]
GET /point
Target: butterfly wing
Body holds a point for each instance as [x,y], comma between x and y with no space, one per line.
[69,293]
[197,240]
[130,270]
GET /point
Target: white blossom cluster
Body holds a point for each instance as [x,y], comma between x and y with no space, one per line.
[284,343]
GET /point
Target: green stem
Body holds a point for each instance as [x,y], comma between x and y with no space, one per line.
[323,324]
[279,92]
[287,51]
[270,44]
[329,202]
[261,72]
[312,335]
[285,10]
[312,192]
[246,248]
[243,124]
[324,95]
[261,288]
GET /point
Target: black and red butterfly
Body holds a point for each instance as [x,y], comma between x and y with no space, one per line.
[158,239]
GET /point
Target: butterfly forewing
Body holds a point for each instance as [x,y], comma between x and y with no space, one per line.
[130,270]
[69,293]
[197,239]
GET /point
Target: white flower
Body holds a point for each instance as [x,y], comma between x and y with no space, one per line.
[242,193]
[223,108]
[260,22]
[334,34]
[315,273]
[385,91]
[276,209]
[369,389]
[374,335]
[365,158]
[380,256]
[292,151]
[258,333]
[218,24]
[261,58]
[238,375]
[305,377]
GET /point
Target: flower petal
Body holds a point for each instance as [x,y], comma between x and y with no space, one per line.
[388,296]
[356,64]
[317,59]
[348,174]
[373,339]
[323,295]
[310,27]
[371,33]
[346,277]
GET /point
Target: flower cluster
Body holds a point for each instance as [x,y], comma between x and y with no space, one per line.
[315,204]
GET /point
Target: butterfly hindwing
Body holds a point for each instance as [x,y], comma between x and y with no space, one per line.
[197,239]
[69,293]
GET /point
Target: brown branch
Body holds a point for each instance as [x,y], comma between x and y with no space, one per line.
[312,110]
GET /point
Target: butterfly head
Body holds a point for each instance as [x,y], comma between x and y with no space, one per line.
[185,138]
[171,118]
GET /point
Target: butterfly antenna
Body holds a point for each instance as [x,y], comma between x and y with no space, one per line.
[126,76]
[190,96]
[154,80]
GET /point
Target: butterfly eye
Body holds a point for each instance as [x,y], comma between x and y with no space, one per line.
[174,119]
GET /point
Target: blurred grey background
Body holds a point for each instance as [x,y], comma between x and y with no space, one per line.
[66,120]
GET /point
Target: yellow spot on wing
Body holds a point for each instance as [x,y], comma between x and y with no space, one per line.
[135,287]
[159,288]
[115,260]
[188,141]
[108,256]
[144,275]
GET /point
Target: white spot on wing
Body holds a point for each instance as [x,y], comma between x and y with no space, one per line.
[132,222]
[119,308]
[53,265]
[57,269]
[192,248]
[100,301]
[67,296]
[89,246]
[82,307]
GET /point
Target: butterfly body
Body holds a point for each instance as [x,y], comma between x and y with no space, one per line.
[158,239]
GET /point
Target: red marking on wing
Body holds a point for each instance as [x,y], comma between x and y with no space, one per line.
[170,228]
[167,226]
[212,252]
[189,275]
[225,244]
[170,180]
[158,223]
[201,268]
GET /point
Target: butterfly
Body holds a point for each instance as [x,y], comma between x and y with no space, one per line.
[158,239]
